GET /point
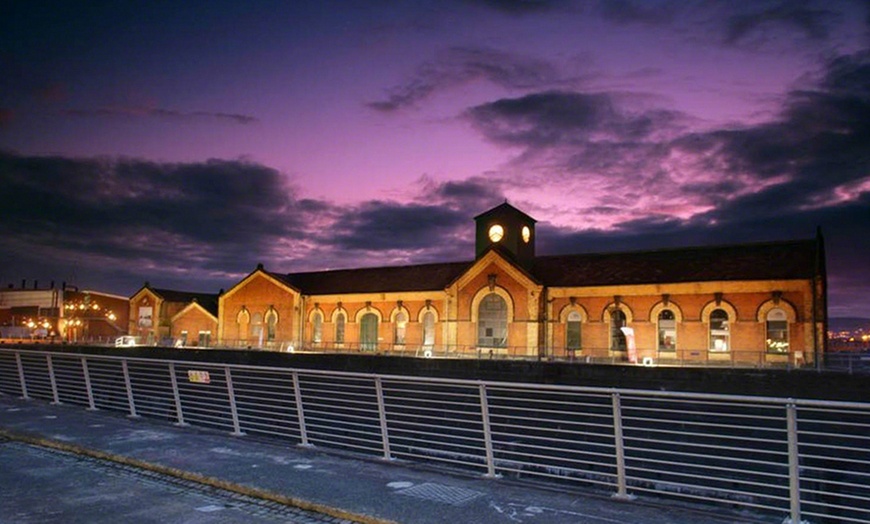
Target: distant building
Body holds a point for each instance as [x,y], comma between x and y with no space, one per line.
[172,317]
[61,314]
[751,304]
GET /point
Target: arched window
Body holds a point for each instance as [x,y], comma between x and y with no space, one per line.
[777,331]
[719,332]
[400,325]
[368,332]
[617,337]
[667,331]
[243,319]
[257,327]
[428,330]
[492,322]
[572,331]
[339,328]
[271,324]
[317,327]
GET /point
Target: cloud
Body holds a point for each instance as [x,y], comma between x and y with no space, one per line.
[519,7]
[555,118]
[793,15]
[167,114]
[458,66]
[209,218]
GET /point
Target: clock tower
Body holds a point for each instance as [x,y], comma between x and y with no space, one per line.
[508,228]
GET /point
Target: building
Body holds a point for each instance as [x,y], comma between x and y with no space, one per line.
[750,304]
[61,314]
[172,317]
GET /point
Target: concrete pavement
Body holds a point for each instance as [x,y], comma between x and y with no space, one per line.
[331,487]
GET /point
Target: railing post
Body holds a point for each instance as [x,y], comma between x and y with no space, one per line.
[300,412]
[129,386]
[382,414]
[21,379]
[52,379]
[173,379]
[92,406]
[237,428]
[794,476]
[619,444]
[487,433]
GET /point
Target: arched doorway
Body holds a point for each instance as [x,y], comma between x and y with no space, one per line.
[492,322]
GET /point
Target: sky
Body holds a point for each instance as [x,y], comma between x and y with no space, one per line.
[183,143]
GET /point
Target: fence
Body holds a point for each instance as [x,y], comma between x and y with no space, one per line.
[807,461]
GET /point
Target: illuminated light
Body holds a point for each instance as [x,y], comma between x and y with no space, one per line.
[496,233]
[527,234]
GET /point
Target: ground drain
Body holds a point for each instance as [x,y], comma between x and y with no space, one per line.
[441,493]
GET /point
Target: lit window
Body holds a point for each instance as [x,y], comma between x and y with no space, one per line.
[317,331]
[271,324]
[428,330]
[667,331]
[617,337]
[777,331]
[719,332]
[400,326]
[527,234]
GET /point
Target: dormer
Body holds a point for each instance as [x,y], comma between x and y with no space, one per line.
[508,228]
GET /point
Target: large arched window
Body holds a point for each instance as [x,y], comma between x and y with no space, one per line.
[667,330]
[400,325]
[719,331]
[317,327]
[428,330]
[368,332]
[492,322]
[777,331]
[572,331]
[618,341]
[339,328]
[271,324]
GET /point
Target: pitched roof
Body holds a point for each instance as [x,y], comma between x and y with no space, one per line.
[208,301]
[761,261]
[424,277]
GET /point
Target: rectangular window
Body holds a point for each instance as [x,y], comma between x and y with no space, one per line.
[204,338]
[777,336]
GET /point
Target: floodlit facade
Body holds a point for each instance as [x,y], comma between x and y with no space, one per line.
[754,304]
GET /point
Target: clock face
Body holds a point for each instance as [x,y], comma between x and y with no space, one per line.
[527,234]
[496,233]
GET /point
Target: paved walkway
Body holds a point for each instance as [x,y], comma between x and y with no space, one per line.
[338,487]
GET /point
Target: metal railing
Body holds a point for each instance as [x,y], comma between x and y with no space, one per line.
[805,460]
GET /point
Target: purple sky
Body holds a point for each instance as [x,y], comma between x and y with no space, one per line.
[183,143]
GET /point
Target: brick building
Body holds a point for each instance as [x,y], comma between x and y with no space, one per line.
[743,304]
[172,317]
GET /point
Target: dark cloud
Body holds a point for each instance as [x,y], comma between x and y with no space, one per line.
[168,114]
[197,220]
[457,66]
[519,7]
[813,23]
[556,118]
[627,12]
